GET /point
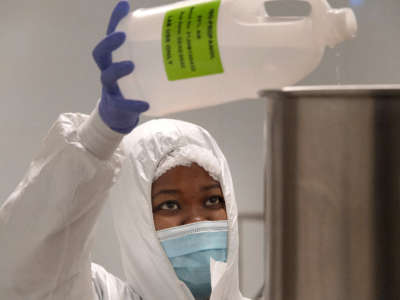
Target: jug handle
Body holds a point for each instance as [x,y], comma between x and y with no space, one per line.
[254,11]
[246,11]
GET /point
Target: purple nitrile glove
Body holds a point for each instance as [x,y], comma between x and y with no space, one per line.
[120,114]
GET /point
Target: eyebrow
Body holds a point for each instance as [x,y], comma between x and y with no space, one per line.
[210,187]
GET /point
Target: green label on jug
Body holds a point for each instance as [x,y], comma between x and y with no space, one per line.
[189,41]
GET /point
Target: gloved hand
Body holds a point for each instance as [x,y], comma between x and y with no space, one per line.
[120,114]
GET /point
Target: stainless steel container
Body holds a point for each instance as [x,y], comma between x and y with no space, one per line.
[332,207]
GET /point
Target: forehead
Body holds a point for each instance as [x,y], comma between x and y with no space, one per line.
[181,176]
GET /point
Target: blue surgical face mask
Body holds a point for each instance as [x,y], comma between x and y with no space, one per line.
[190,247]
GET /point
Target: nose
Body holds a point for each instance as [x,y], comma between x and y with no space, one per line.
[195,215]
[194,220]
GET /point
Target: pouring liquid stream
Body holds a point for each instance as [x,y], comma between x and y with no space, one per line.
[338,67]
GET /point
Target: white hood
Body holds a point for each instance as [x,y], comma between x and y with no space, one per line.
[146,266]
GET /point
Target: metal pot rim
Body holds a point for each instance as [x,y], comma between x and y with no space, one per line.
[333,91]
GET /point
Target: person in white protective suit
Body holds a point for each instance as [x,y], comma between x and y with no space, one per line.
[172,200]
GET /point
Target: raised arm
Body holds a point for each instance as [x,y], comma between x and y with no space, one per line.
[47,223]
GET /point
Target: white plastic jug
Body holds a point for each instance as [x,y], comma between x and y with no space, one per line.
[199,53]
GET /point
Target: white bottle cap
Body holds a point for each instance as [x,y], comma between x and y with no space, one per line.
[343,26]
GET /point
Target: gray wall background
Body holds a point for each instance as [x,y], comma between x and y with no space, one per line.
[47,69]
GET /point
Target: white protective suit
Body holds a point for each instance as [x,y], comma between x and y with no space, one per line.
[46,225]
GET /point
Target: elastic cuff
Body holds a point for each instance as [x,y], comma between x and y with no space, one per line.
[98,138]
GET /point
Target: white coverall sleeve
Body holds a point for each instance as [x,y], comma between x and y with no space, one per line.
[46,224]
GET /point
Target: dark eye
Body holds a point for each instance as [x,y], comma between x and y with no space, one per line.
[215,202]
[168,205]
